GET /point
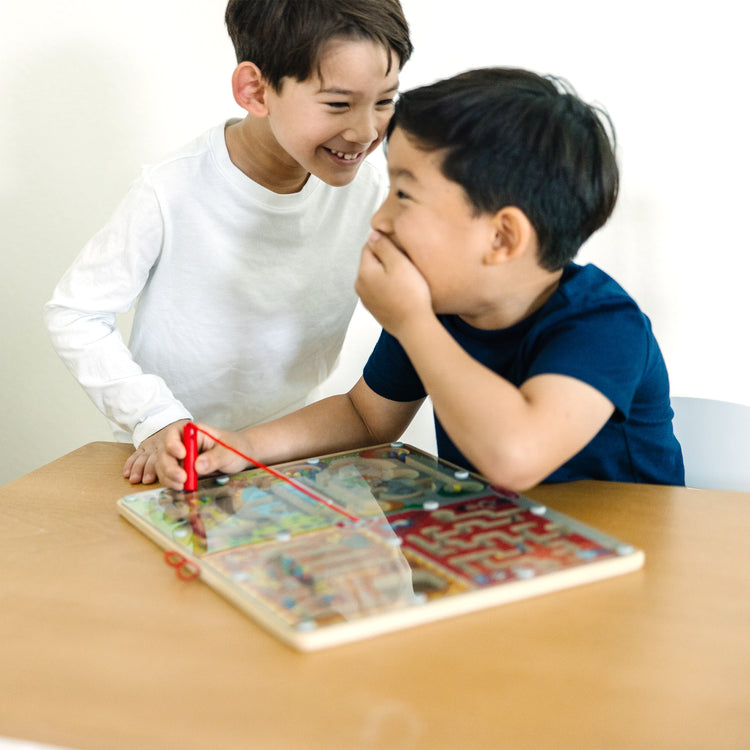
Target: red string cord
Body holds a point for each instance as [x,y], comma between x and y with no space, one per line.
[279,475]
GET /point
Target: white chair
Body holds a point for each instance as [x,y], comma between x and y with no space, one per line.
[715,440]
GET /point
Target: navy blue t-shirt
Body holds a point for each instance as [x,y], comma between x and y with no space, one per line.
[589,329]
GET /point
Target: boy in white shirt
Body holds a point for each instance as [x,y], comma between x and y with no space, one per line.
[242,247]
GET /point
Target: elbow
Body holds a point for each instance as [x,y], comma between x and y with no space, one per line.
[58,319]
[50,315]
[516,469]
[513,481]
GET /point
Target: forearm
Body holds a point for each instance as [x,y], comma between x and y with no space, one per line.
[337,423]
[92,349]
[515,436]
[488,418]
[104,280]
[327,426]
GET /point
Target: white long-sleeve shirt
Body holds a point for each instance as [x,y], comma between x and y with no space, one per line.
[244,295]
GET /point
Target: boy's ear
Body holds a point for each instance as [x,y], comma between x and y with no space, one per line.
[249,89]
[513,235]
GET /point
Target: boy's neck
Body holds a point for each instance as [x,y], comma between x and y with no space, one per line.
[522,297]
[255,152]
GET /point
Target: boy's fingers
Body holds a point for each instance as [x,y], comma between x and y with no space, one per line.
[149,473]
[379,245]
[169,472]
[133,469]
[172,440]
[369,262]
[134,463]
[219,459]
[208,462]
[382,247]
[383,258]
[126,469]
[373,238]
[134,475]
[175,447]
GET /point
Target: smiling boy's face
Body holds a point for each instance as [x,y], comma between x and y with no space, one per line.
[327,124]
[430,219]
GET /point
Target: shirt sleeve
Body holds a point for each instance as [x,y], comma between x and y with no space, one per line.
[607,348]
[389,371]
[81,317]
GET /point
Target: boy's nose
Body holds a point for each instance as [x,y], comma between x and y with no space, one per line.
[362,129]
[380,221]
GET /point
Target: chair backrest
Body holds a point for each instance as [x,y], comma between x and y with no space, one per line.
[715,440]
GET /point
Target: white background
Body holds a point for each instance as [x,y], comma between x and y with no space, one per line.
[91,90]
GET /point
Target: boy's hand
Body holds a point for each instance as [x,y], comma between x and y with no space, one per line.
[141,465]
[390,285]
[212,456]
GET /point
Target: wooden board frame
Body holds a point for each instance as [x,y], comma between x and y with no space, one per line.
[365,542]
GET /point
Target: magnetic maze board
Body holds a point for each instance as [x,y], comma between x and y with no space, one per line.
[370,541]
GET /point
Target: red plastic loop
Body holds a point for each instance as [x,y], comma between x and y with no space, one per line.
[185,569]
[188,571]
[173,558]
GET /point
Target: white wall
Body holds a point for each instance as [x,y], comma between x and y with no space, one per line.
[89,91]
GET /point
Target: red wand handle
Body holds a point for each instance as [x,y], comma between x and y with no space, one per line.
[190,440]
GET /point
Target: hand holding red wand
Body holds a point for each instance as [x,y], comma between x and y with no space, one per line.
[190,440]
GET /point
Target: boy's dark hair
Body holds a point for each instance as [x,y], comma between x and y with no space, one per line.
[285,37]
[514,138]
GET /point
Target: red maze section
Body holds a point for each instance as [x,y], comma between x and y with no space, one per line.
[487,540]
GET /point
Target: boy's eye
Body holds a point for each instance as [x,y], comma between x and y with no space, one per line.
[401,195]
[383,104]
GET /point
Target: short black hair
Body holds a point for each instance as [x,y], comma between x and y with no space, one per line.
[511,137]
[285,37]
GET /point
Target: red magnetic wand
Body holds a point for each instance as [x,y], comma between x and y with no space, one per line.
[190,440]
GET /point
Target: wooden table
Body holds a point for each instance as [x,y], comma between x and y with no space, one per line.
[101,646]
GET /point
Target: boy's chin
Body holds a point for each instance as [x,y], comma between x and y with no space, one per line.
[336,171]
[337,180]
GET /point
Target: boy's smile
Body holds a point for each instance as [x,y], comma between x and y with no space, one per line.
[327,124]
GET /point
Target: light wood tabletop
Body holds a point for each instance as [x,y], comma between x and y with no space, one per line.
[102,646]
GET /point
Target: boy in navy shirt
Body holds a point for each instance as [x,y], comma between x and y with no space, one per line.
[538,369]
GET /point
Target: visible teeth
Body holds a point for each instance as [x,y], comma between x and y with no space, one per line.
[342,155]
